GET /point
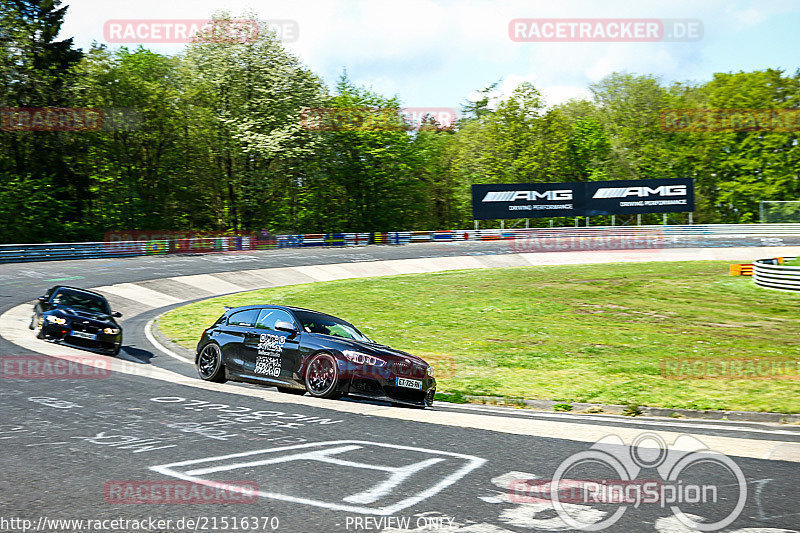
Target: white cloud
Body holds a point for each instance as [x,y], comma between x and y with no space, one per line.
[435,52]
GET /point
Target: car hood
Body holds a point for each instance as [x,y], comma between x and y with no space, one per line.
[380,350]
[81,313]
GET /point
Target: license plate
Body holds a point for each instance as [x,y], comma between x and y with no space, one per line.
[410,383]
[83,335]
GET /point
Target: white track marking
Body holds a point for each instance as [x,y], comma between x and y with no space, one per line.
[325,272]
[462,465]
[148,333]
[210,283]
[143,295]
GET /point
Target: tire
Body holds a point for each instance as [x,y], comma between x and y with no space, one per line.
[209,364]
[322,377]
[39,329]
[298,392]
[115,351]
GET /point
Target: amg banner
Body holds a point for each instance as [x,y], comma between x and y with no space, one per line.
[618,197]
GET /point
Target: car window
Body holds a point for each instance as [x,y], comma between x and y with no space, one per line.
[246,319]
[327,325]
[268,317]
[81,300]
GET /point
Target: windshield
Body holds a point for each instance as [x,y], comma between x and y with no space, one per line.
[81,300]
[327,325]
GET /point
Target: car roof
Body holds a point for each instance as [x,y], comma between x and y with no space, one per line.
[276,306]
[57,287]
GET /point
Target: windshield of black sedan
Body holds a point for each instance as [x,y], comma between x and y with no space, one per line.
[328,325]
[81,300]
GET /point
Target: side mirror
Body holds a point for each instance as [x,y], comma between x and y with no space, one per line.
[116,314]
[42,298]
[282,325]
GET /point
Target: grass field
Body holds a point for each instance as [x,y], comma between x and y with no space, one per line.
[590,333]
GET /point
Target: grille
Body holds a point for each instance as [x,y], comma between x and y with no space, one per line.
[405,394]
[404,369]
[88,328]
[366,386]
[86,343]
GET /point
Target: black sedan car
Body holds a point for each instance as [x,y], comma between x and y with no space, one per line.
[77,317]
[299,350]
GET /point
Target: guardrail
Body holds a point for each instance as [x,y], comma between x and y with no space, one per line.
[701,235]
[773,274]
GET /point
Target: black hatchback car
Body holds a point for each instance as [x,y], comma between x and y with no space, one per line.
[77,317]
[299,350]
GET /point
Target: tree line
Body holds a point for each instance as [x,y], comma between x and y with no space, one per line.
[211,139]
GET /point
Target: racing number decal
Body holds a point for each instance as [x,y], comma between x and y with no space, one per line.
[268,360]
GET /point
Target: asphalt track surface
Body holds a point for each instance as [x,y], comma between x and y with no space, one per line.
[72,447]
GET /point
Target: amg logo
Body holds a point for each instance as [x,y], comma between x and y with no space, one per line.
[642,192]
[513,196]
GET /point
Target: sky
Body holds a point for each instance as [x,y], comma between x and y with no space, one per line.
[438,53]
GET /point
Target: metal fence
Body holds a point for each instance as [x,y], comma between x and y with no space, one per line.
[700,235]
[774,274]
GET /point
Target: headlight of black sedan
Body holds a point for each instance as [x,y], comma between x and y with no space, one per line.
[361,358]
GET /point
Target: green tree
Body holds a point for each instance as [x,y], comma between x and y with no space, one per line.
[41,195]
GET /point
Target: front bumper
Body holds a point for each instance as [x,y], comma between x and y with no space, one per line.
[382,384]
[63,335]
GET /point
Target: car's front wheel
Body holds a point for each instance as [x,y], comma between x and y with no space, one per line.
[322,376]
[38,328]
[209,364]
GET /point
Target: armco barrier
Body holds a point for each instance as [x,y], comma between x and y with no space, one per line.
[773,274]
[700,235]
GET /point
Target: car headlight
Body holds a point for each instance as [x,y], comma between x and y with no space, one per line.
[429,371]
[361,358]
[111,331]
[56,320]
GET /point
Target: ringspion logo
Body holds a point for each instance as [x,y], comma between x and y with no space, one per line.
[705,490]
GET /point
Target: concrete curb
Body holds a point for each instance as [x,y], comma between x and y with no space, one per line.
[612,409]
[169,343]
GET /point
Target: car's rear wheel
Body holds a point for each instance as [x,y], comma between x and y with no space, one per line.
[209,364]
[287,390]
[322,376]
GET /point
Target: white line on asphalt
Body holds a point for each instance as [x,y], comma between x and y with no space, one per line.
[467,463]
[158,346]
